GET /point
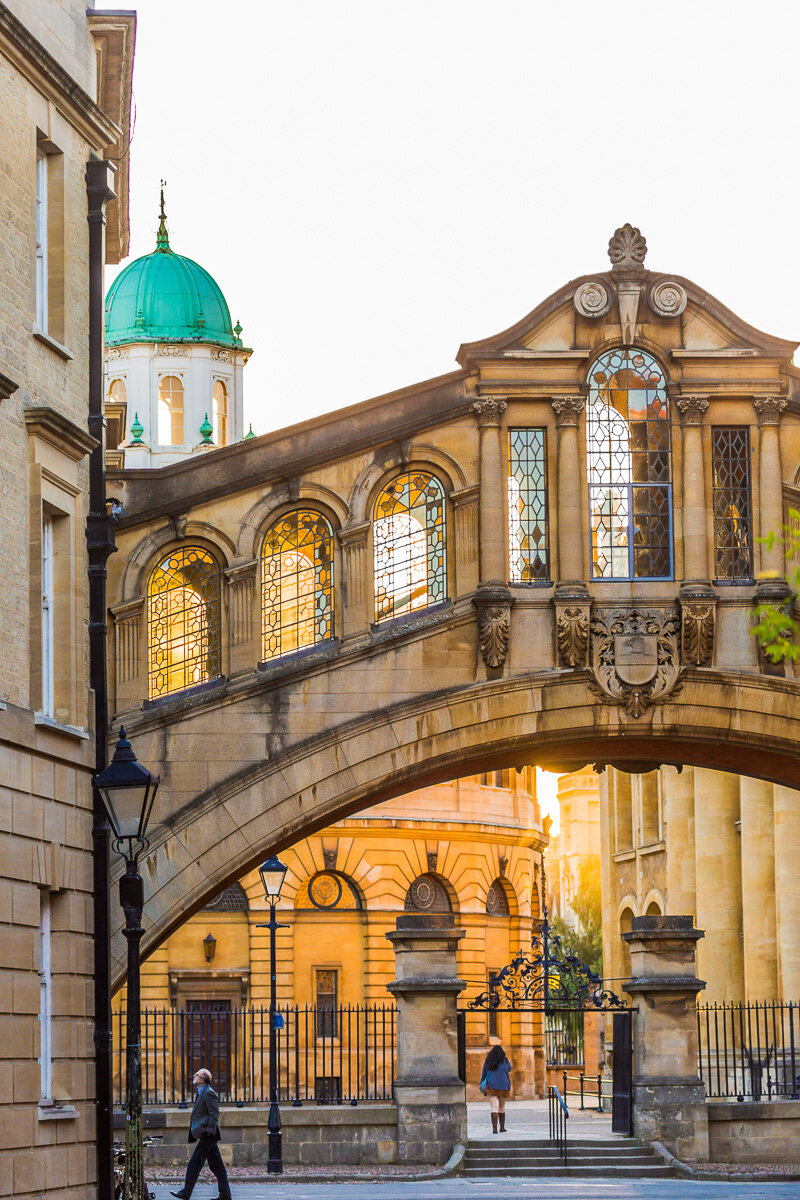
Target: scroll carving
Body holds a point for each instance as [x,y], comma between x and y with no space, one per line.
[572,635]
[593,299]
[635,658]
[667,298]
[692,409]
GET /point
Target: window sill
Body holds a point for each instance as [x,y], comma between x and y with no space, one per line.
[41,719]
[57,1112]
[329,648]
[625,856]
[419,619]
[652,848]
[185,693]
[55,346]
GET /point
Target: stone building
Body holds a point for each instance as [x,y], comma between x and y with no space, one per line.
[65,95]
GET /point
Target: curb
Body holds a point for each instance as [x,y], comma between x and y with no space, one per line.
[688,1172]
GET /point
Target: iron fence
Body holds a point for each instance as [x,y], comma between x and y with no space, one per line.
[564,1039]
[326,1054]
[749,1051]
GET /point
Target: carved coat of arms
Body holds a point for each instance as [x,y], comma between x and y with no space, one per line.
[635,657]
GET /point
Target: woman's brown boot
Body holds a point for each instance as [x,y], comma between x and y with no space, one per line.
[502,1122]
[494,1122]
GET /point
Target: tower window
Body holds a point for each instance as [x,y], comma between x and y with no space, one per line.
[409,545]
[220,406]
[528,541]
[628,455]
[733,537]
[170,411]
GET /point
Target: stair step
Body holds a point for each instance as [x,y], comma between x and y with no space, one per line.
[582,1172]
[578,1156]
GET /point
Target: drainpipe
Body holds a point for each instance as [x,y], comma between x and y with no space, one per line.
[100,544]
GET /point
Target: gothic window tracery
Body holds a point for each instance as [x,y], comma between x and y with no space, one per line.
[183,621]
[409,545]
[296,584]
[170,411]
[629,467]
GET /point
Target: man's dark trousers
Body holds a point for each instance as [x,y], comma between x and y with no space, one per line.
[207,1150]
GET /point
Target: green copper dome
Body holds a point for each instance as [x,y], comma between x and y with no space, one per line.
[165,297]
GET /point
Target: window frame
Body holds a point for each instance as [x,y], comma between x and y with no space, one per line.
[546,580]
[320,1030]
[213,653]
[737,580]
[297,513]
[48,698]
[440,579]
[221,437]
[42,281]
[172,411]
[45,995]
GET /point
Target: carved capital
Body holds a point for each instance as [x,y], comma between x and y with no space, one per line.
[493,602]
[489,410]
[567,409]
[692,409]
[769,409]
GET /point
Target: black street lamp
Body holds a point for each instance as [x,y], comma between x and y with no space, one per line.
[128,790]
[272,874]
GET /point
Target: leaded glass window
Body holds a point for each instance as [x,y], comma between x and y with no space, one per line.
[528,540]
[628,459]
[183,621]
[733,538]
[409,541]
[296,584]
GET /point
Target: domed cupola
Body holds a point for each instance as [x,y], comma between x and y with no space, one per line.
[174,361]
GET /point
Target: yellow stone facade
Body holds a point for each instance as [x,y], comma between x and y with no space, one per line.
[65,79]
[472,835]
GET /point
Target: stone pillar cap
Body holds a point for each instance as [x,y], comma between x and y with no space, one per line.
[652,928]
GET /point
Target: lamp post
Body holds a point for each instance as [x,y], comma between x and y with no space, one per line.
[272,874]
[128,790]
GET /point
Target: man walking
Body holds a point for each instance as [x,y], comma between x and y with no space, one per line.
[204,1129]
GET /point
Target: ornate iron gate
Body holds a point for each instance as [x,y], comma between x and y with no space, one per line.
[550,980]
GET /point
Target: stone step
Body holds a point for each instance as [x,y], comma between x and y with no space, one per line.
[519,1153]
[572,1172]
[501,1163]
[502,1141]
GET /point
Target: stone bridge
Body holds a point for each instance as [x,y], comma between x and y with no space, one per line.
[564,572]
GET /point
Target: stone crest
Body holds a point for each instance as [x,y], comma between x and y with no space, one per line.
[627,248]
[635,658]
[593,299]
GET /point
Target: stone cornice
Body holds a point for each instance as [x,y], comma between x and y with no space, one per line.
[7,386]
[60,432]
[47,75]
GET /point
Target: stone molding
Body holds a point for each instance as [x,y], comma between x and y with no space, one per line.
[59,432]
[692,409]
[489,410]
[567,409]
[768,409]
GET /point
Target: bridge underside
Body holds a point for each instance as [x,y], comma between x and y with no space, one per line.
[740,723]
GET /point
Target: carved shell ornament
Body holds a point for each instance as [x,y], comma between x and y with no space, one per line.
[494,628]
[572,633]
[627,247]
[593,299]
[666,298]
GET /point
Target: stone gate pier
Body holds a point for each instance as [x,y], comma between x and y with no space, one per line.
[431,1099]
[668,1095]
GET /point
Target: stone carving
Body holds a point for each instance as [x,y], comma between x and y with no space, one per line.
[627,248]
[502,863]
[329,857]
[635,658]
[769,409]
[222,355]
[567,409]
[171,351]
[489,410]
[692,409]
[593,299]
[698,623]
[493,602]
[572,635]
[433,861]
[666,298]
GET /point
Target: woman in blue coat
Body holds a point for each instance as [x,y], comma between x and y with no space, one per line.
[496,1084]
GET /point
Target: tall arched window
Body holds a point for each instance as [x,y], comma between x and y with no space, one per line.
[296,584]
[408,532]
[183,621]
[117,391]
[220,407]
[628,458]
[170,411]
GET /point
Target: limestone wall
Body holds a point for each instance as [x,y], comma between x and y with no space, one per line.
[754,1132]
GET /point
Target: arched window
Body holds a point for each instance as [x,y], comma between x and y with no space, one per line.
[628,457]
[427,894]
[183,621]
[117,391]
[328,890]
[233,898]
[408,532]
[497,900]
[296,584]
[170,411]
[220,407]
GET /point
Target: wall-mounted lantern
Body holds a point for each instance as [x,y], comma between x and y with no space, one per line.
[209,946]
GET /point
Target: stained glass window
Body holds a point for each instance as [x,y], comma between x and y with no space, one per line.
[528,541]
[733,539]
[183,621]
[170,411]
[296,584]
[409,538]
[628,458]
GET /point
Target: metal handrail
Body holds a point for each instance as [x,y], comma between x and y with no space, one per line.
[559,1115]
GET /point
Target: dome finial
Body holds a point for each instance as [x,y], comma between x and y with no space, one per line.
[162,237]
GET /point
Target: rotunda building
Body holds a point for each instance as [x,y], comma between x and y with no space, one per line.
[174,361]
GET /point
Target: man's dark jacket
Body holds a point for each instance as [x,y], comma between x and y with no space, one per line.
[205,1114]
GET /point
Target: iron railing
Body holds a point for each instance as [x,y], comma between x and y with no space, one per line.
[559,1115]
[564,1040]
[750,1051]
[326,1054]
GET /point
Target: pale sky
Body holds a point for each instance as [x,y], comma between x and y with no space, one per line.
[374,183]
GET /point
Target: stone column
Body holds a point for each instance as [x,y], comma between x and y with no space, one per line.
[571,491]
[695,532]
[770,479]
[758,890]
[244,627]
[786,809]
[493,599]
[431,1099]
[668,1095]
[678,791]
[357,614]
[717,850]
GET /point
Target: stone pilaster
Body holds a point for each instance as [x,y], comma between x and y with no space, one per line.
[492,522]
[431,1099]
[466,509]
[786,814]
[130,654]
[717,848]
[770,479]
[356,618]
[244,627]
[568,410]
[758,889]
[668,1095]
[695,532]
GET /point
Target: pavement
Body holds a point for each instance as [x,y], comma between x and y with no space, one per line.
[499,1189]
